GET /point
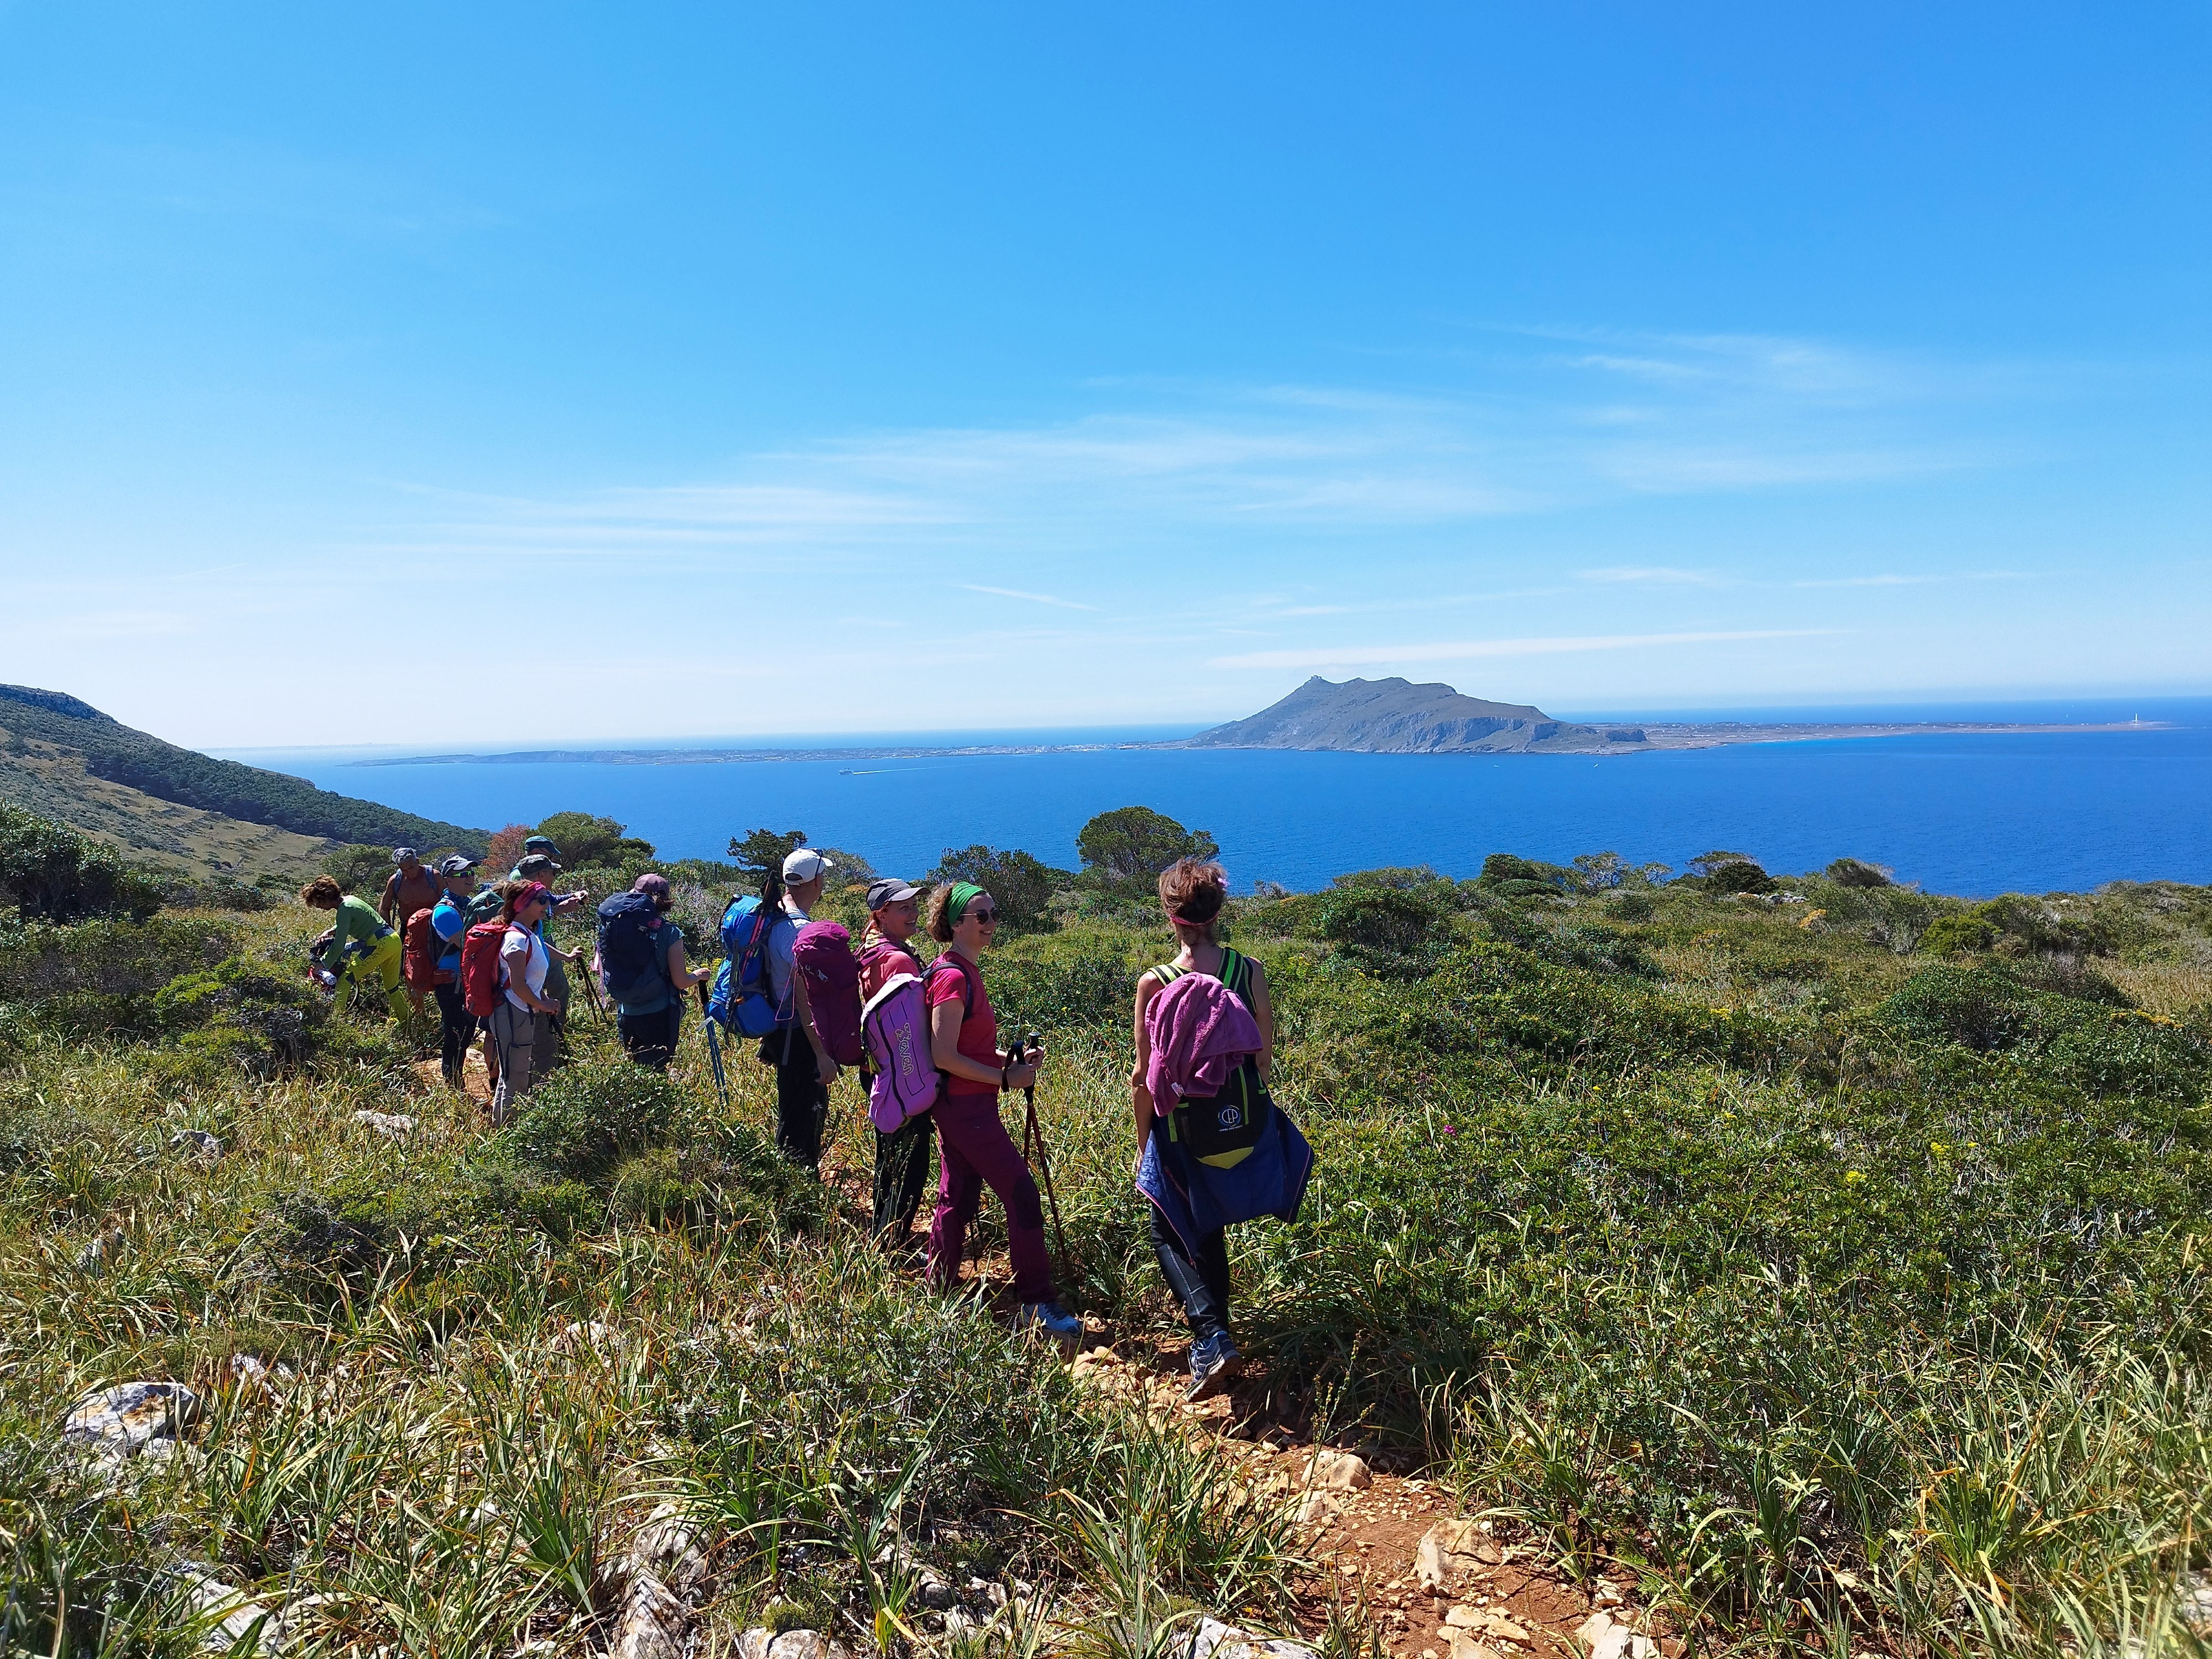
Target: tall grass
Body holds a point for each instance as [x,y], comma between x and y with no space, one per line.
[1845,1309]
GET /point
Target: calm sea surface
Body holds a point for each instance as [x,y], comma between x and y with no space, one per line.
[1972,815]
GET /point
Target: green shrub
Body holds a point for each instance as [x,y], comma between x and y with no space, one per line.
[49,871]
[1981,1008]
[39,961]
[240,1016]
[1130,845]
[1392,933]
[1062,991]
[1957,933]
[1857,873]
[1573,945]
[585,1118]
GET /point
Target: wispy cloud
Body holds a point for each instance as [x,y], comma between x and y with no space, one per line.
[1366,656]
[1920,579]
[1650,575]
[1250,478]
[1034,599]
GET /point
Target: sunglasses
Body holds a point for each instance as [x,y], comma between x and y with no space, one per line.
[972,914]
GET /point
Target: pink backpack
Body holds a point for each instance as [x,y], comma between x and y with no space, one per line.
[823,952]
[906,1079]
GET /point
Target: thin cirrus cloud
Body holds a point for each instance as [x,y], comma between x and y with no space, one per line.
[1033,598]
[1891,579]
[1364,656]
[1650,575]
[1701,415]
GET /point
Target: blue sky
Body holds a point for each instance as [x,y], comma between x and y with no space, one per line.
[722,370]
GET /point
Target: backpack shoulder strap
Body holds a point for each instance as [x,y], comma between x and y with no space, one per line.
[943,963]
[1237,974]
[1167,973]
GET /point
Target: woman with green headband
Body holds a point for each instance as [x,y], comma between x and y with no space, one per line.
[973,1144]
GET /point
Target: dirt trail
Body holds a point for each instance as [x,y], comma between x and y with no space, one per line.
[1365,1538]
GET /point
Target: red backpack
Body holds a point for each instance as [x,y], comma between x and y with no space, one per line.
[419,954]
[823,952]
[480,992]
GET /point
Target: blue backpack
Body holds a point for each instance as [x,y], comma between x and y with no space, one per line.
[740,1002]
[633,957]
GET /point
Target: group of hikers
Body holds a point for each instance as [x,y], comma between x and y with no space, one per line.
[1212,1148]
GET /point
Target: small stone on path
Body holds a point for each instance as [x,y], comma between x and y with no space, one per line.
[1337,1471]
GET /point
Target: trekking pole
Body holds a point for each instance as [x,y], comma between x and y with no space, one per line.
[1033,1136]
[714,1049]
[591,991]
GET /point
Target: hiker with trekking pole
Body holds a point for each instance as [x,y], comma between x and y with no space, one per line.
[1213,1148]
[972,1142]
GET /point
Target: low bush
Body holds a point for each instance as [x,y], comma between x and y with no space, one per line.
[585,1118]
[1393,933]
[50,872]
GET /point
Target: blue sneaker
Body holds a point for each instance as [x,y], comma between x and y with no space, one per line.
[1052,1319]
[1212,1364]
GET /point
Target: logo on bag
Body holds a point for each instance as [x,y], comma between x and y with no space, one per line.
[1229,1117]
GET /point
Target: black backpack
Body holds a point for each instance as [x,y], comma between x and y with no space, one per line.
[1221,1129]
[632,952]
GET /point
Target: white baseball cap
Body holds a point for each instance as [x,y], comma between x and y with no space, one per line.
[801,865]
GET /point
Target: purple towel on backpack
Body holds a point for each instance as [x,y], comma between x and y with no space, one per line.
[1200,1030]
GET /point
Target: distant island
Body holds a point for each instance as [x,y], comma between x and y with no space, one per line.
[1367,717]
[1397,717]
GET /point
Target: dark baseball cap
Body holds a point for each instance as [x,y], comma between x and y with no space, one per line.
[889,889]
[542,844]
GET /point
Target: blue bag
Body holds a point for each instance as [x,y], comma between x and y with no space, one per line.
[739,1001]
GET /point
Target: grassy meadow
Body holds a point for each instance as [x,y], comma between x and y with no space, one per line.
[1831,1258]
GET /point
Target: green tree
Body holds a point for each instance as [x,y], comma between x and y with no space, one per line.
[584,839]
[760,853]
[1599,873]
[1021,885]
[1130,845]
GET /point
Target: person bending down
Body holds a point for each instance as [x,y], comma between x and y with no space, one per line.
[360,948]
[973,1144]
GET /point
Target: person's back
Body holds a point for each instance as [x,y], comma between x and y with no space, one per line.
[406,891]
[643,966]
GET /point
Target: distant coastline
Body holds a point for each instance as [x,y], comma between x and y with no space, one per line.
[1657,736]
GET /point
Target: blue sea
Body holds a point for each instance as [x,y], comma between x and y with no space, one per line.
[1972,815]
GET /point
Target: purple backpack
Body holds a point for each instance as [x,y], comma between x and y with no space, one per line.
[896,1027]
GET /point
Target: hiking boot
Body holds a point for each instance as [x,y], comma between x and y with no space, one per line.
[1052,1319]
[1212,1364]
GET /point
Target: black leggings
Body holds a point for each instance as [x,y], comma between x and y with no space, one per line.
[459,1029]
[802,1099]
[1200,1282]
[901,1175]
[651,1039]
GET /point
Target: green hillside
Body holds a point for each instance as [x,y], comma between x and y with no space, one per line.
[1795,1266]
[48,731]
